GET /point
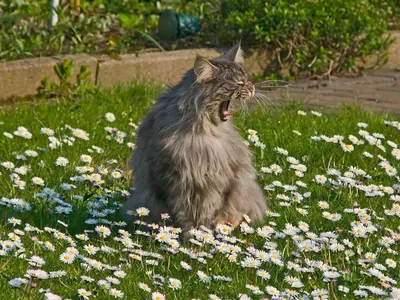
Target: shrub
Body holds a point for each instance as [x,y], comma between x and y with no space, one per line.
[302,37]
[97,27]
[319,37]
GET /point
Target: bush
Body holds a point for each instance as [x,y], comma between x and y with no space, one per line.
[307,37]
[319,37]
[394,7]
[97,26]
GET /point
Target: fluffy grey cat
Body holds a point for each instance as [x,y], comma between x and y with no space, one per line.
[189,160]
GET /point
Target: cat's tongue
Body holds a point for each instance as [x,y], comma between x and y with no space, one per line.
[224,113]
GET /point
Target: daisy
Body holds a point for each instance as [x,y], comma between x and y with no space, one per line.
[23,132]
[84,293]
[58,274]
[272,291]
[175,284]
[14,221]
[62,162]
[20,184]
[67,258]
[263,274]
[253,138]
[301,113]
[224,229]
[185,265]
[104,284]
[31,153]
[103,231]
[316,113]
[299,167]
[91,249]
[157,296]
[297,197]
[303,226]
[116,293]
[297,132]
[281,151]
[276,169]
[40,274]
[320,179]
[116,174]
[38,181]
[390,263]
[354,139]
[250,262]
[266,170]
[37,261]
[113,280]
[82,237]
[8,165]
[23,170]
[328,275]
[72,250]
[343,289]
[302,211]
[144,287]
[360,293]
[47,131]
[120,274]
[320,294]
[347,148]
[391,171]
[165,216]
[203,277]
[17,282]
[142,211]
[79,133]
[292,160]
[86,158]
[110,117]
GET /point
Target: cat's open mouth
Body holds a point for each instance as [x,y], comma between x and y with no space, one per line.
[224,113]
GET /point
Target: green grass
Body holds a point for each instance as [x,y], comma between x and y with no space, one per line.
[274,128]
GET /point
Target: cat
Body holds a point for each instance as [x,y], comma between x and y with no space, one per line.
[189,161]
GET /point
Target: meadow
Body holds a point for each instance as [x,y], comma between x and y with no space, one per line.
[331,231]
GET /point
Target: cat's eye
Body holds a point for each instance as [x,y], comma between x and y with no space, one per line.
[240,82]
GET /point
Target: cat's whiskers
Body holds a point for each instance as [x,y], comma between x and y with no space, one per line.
[263,100]
[244,108]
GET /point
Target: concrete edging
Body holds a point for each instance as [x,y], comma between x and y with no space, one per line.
[23,77]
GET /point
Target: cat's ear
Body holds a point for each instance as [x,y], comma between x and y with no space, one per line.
[235,54]
[203,69]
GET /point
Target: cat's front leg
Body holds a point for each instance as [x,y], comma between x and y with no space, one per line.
[197,210]
[243,198]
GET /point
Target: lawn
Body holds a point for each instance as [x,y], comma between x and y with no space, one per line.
[331,230]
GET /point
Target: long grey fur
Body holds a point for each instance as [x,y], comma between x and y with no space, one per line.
[190,163]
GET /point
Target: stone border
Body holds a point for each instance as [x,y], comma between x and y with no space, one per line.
[23,77]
